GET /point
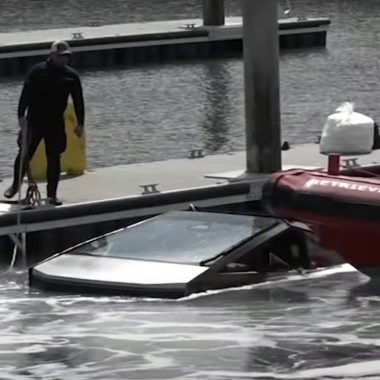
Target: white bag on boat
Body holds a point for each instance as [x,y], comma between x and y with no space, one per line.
[347,132]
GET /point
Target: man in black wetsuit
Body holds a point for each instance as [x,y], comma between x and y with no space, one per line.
[44,99]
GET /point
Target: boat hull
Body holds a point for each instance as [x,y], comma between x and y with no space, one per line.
[343,211]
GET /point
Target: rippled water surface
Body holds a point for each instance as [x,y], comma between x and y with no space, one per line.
[313,327]
[155,112]
[308,327]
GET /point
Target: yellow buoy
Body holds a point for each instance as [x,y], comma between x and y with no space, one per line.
[73,159]
[38,163]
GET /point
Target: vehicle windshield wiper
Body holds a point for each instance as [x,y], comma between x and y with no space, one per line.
[207,261]
[224,253]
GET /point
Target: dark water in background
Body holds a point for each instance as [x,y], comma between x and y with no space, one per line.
[155,112]
[305,328]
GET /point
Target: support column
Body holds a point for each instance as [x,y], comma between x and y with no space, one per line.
[213,12]
[262,95]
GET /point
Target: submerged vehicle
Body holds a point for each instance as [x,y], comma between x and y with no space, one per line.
[176,254]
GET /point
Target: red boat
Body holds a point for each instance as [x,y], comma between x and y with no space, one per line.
[342,209]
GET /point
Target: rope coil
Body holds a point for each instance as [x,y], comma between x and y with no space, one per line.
[33,195]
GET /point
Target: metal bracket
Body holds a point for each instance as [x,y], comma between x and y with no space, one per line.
[350,163]
[149,189]
[196,153]
[256,190]
[190,26]
[77,35]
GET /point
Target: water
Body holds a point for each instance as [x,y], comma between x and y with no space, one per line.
[312,328]
[155,112]
[292,329]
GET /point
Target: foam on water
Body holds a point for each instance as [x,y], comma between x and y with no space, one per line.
[320,273]
[287,329]
[367,370]
[318,326]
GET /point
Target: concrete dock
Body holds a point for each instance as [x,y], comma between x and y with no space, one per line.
[133,180]
[104,199]
[108,45]
[169,175]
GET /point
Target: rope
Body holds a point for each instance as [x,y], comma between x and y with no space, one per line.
[23,148]
[23,155]
[33,197]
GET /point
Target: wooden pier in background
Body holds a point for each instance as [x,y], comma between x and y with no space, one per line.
[106,46]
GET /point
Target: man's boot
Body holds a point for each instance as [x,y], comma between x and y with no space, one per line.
[11,191]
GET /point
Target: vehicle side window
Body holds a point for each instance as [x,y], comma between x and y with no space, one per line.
[283,252]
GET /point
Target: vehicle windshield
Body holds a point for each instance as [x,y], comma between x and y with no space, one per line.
[178,237]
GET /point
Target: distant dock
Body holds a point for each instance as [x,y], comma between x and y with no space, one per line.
[111,45]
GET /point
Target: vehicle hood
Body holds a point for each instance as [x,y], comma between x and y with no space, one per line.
[117,270]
